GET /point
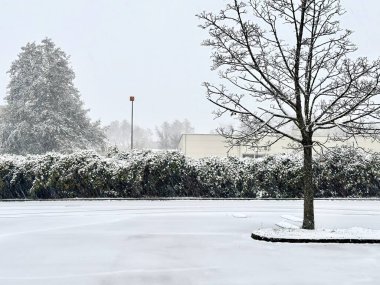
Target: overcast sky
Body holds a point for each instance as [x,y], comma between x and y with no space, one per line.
[147,48]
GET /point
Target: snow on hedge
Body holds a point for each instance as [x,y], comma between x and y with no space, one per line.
[341,173]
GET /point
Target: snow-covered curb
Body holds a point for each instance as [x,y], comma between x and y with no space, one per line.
[352,235]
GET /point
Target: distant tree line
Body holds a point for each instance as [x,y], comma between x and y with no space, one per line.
[166,136]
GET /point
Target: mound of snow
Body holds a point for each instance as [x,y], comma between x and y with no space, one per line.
[335,235]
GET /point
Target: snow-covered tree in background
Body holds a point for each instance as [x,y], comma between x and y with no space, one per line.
[169,134]
[118,134]
[44,111]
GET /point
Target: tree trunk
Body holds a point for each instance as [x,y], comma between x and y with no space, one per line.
[308,216]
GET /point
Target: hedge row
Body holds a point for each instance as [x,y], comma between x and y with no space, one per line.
[341,173]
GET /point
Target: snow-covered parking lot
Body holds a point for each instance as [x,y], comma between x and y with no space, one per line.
[178,242]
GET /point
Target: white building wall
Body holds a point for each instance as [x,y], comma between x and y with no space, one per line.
[204,145]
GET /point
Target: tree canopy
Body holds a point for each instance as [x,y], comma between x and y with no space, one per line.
[44,111]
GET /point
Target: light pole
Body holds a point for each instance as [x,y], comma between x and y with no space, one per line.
[132,99]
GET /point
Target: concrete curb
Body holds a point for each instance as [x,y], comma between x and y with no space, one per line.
[287,240]
[189,198]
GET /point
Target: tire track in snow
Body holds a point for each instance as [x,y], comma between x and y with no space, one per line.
[5,235]
[108,273]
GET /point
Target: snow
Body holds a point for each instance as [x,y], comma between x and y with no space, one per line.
[239,215]
[296,233]
[178,242]
[292,218]
[286,225]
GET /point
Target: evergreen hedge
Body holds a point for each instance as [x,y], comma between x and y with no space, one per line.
[343,172]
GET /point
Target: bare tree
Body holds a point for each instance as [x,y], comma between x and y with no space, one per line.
[118,134]
[287,63]
[169,134]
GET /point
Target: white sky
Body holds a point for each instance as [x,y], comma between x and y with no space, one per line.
[148,48]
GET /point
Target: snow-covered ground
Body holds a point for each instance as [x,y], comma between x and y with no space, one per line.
[178,242]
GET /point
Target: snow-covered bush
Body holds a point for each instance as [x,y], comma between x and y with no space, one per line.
[347,172]
[83,174]
[343,172]
[149,174]
[13,182]
[279,176]
[216,177]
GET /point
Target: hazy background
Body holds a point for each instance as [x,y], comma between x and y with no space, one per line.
[148,48]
